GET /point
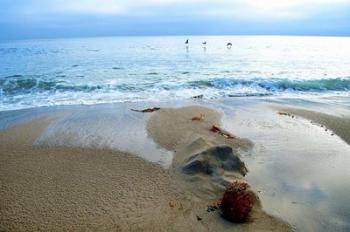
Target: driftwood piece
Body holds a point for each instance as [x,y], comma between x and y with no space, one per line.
[198,118]
[216,129]
[286,114]
[148,110]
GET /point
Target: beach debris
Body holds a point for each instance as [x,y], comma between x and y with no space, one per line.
[198,118]
[238,202]
[171,204]
[198,96]
[211,208]
[175,205]
[148,110]
[286,114]
[199,218]
[216,129]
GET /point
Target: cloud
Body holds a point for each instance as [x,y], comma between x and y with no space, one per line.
[236,8]
[146,17]
[288,8]
[90,6]
[271,9]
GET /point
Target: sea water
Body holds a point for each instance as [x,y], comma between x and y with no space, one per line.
[128,69]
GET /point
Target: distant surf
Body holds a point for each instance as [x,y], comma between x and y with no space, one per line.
[66,71]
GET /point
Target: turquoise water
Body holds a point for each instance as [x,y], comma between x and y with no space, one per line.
[118,69]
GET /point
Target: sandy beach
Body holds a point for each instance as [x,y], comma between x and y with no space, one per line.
[50,184]
[175,116]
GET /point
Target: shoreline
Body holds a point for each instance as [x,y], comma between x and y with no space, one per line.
[335,125]
[64,180]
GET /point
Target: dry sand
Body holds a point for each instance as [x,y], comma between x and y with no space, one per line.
[76,189]
[55,189]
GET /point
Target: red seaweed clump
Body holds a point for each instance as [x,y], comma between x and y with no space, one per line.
[237,202]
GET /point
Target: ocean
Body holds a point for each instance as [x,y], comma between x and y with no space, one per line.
[74,71]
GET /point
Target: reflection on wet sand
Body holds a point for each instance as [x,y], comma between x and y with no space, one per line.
[299,168]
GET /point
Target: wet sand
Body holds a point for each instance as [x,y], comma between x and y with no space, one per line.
[336,124]
[75,169]
[70,188]
[60,188]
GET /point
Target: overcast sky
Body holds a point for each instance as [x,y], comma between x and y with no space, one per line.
[23,19]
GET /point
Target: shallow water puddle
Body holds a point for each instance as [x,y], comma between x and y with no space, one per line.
[106,126]
[299,170]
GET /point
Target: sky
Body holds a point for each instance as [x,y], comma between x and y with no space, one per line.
[26,19]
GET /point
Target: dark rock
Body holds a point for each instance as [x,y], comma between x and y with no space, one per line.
[212,160]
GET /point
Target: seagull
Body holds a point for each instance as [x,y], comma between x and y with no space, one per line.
[186,41]
[229,45]
[204,43]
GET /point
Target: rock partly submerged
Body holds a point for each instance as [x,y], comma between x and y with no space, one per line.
[213,161]
[211,170]
[208,164]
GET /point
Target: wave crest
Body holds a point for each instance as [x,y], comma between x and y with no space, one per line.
[20,85]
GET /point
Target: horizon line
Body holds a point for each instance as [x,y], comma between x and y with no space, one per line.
[171,35]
